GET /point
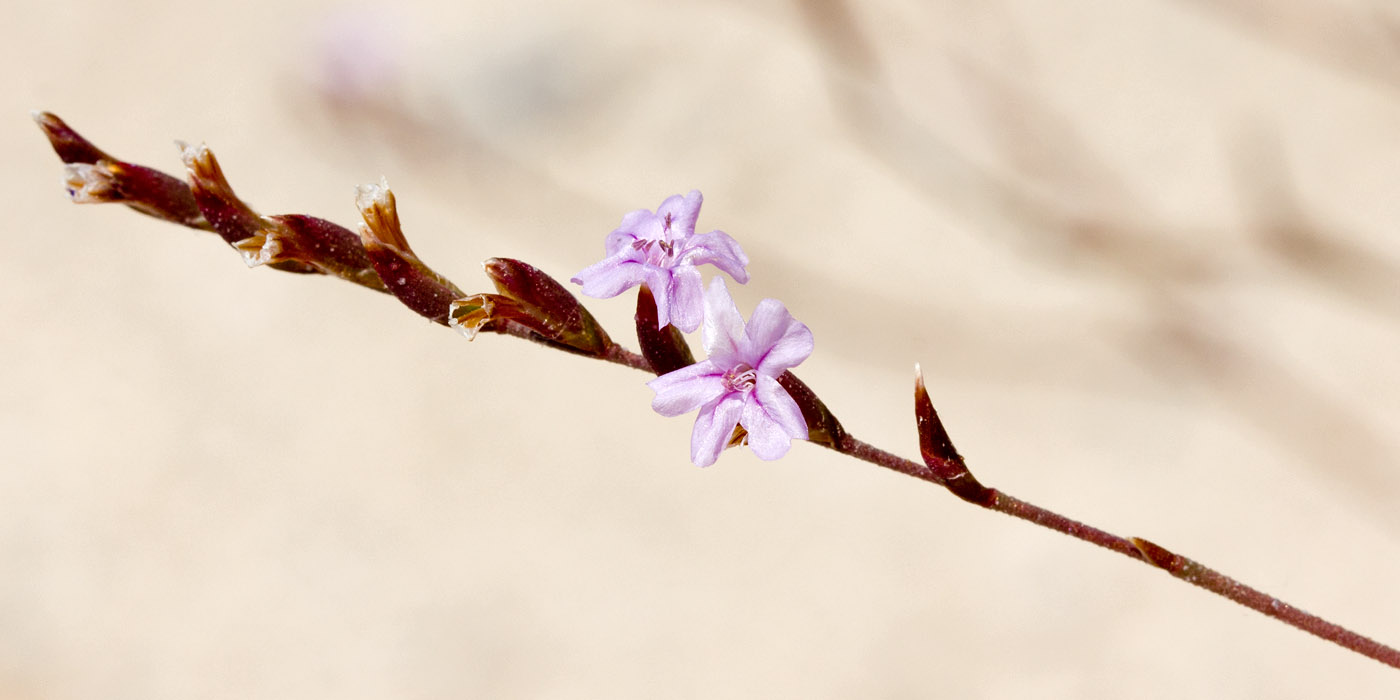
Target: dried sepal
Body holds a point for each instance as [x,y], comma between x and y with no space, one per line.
[405,276]
[553,311]
[737,438]
[664,348]
[938,452]
[93,176]
[379,208]
[91,183]
[499,314]
[232,219]
[471,315]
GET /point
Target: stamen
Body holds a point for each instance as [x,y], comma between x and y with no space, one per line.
[741,378]
[658,253]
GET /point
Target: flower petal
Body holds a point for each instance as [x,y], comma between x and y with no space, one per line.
[687,388]
[723,333]
[719,249]
[777,340]
[713,427]
[621,238]
[610,277]
[683,212]
[638,224]
[766,438]
[659,282]
[687,298]
[779,406]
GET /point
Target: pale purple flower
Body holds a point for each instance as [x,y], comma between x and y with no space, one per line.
[738,384]
[662,250]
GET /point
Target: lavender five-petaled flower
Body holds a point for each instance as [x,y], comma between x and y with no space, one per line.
[662,251]
[738,384]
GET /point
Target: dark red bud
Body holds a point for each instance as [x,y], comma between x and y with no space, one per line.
[94,176]
[665,348]
[822,426]
[70,146]
[231,218]
[557,313]
[414,284]
[328,246]
[938,451]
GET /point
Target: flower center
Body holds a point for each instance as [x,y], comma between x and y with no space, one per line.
[659,253]
[741,378]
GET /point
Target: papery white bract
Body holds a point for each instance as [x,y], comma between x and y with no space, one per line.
[737,384]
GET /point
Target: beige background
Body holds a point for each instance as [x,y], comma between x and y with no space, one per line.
[1146,250]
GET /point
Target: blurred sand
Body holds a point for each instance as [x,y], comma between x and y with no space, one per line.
[1146,251]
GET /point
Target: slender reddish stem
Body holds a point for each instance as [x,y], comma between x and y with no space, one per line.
[1187,570]
[627,358]
[1198,574]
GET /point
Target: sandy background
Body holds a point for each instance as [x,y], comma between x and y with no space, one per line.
[1146,251]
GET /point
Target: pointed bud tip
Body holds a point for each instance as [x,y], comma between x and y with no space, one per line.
[48,121]
[69,145]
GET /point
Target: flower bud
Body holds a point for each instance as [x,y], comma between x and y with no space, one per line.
[938,451]
[233,220]
[93,176]
[405,276]
[553,311]
[664,348]
[822,426]
[328,246]
[70,146]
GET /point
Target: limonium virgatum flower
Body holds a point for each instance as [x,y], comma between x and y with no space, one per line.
[737,384]
[662,250]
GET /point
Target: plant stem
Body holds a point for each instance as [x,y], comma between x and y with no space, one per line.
[1197,574]
[1178,566]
